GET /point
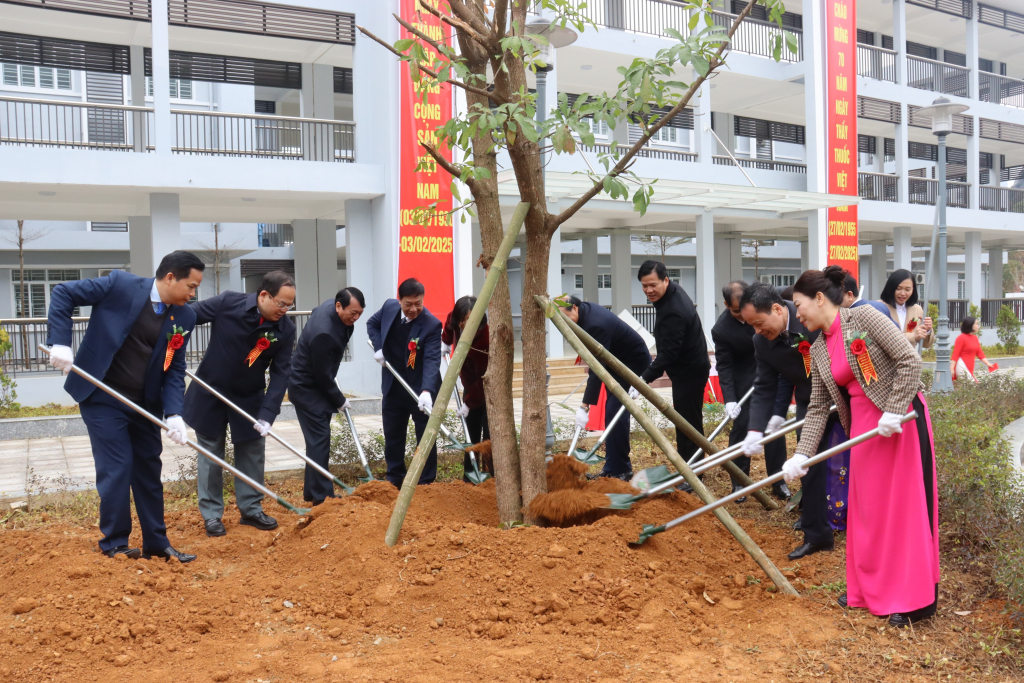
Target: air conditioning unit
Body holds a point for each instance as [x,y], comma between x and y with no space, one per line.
[919,278]
[766,279]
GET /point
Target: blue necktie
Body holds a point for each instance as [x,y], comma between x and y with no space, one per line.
[159,307]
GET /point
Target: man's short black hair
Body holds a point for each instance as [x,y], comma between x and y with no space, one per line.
[648,267]
[729,290]
[574,300]
[410,287]
[180,264]
[275,280]
[761,296]
[850,284]
[345,296]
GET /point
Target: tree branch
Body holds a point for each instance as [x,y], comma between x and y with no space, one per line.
[457,23]
[419,34]
[434,74]
[448,166]
[629,156]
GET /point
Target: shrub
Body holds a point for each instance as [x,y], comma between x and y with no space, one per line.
[8,396]
[973,311]
[1008,329]
[343,445]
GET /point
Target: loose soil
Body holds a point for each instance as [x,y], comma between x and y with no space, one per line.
[457,599]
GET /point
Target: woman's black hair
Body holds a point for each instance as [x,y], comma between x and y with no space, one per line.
[829,282]
[895,280]
[967,326]
[463,307]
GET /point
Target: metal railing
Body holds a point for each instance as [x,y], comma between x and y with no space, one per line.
[645,314]
[930,74]
[879,187]
[926,190]
[763,164]
[1000,89]
[990,309]
[646,152]
[268,137]
[876,62]
[78,125]
[754,37]
[992,198]
[27,333]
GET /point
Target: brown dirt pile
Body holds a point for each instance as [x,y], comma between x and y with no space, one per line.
[564,472]
[571,499]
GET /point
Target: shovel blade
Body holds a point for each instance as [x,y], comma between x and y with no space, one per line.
[648,531]
[477,478]
[587,457]
[647,479]
[365,480]
[794,501]
[344,487]
[621,501]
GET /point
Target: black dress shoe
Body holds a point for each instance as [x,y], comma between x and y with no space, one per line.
[781,491]
[215,527]
[738,487]
[623,476]
[166,554]
[898,620]
[798,525]
[841,601]
[809,549]
[260,520]
[132,553]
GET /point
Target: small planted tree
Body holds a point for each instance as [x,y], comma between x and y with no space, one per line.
[1008,329]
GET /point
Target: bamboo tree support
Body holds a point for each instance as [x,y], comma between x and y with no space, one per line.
[553,312]
[661,403]
[419,458]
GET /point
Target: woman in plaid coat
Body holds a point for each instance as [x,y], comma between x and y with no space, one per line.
[867,368]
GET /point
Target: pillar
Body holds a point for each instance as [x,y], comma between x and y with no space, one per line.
[622,272]
[316,99]
[814,110]
[728,264]
[805,255]
[817,239]
[879,261]
[974,160]
[974,284]
[972,64]
[316,261]
[152,237]
[902,158]
[726,129]
[163,129]
[235,282]
[590,292]
[706,290]
[703,139]
[555,340]
[995,273]
[902,249]
[138,95]
[362,375]
[899,39]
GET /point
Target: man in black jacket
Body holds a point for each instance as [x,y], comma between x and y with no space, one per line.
[625,344]
[734,359]
[780,347]
[682,350]
[313,388]
[250,335]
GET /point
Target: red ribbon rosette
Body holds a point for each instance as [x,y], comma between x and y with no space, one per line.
[911,325]
[412,353]
[859,348]
[804,348]
[262,344]
[175,340]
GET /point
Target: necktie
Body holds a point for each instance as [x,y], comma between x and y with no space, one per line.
[159,307]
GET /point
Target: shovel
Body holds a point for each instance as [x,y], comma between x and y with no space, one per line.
[163,425]
[476,477]
[719,428]
[345,487]
[590,457]
[359,447]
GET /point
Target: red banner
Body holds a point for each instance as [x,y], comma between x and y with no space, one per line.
[841,75]
[425,245]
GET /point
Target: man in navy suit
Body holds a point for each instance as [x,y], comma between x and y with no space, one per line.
[251,336]
[408,336]
[135,344]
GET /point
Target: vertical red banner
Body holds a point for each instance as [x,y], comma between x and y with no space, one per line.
[425,248]
[841,103]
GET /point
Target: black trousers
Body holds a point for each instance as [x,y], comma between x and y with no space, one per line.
[814,502]
[774,451]
[476,420]
[688,400]
[397,406]
[616,446]
[316,431]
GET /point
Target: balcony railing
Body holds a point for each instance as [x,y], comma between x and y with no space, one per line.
[645,314]
[645,152]
[78,125]
[876,62]
[992,198]
[763,164]
[1000,89]
[754,37]
[990,309]
[878,187]
[926,190]
[929,74]
[267,137]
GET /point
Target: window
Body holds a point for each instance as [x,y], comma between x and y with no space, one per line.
[604,281]
[673,274]
[598,127]
[783,280]
[578,281]
[180,89]
[668,135]
[961,286]
[36,77]
[39,284]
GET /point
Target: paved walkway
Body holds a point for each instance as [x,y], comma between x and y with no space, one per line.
[32,465]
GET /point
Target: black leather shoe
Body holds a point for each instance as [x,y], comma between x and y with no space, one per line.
[166,554]
[624,476]
[260,520]
[738,487]
[132,553]
[809,549]
[781,491]
[798,525]
[841,601]
[215,527]
[899,620]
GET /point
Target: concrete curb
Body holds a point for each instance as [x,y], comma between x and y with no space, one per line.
[72,425]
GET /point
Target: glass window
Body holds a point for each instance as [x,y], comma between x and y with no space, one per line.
[45,77]
[667,135]
[39,284]
[63,79]
[604,281]
[598,127]
[184,90]
[10,74]
[28,76]
[578,281]
[673,274]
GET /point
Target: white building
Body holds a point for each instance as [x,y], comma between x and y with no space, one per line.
[132,129]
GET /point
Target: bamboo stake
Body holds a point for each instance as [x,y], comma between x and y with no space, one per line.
[419,458]
[658,401]
[554,313]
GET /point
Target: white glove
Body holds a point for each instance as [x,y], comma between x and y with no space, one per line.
[774,424]
[634,393]
[733,410]
[426,404]
[582,418]
[177,432]
[793,468]
[889,424]
[263,427]
[344,406]
[750,445]
[62,358]
[463,410]
[378,356]
[445,349]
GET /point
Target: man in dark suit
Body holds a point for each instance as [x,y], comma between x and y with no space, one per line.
[135,343]
[313,388]
[625,344]
[682,350]
[408,336]
[737,367]
[251,334]
[779,348]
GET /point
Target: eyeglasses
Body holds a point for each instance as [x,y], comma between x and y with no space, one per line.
[282,306]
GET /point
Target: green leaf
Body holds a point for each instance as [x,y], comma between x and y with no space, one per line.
[563,141]
[404,44]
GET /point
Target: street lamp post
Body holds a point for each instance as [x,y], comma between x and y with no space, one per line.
[941,112]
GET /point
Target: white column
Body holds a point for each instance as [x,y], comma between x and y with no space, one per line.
[974,162]
[622,272]
[899,39]
[152,237]
[902,160]
[703,140]
[140,246]
[235,281]
[362,374]
[972,268]
[995,273]
[901,248]
[138,94]
[555,340]
[814,103]
[316,261]
[879,259]
[728,257]
[163,130]
[705,296]
[972,64]
[805,255]
[590,292]
[817,239]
